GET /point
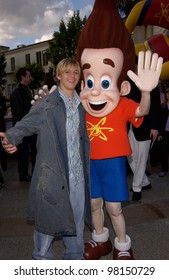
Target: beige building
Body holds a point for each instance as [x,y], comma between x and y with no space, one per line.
[23,54]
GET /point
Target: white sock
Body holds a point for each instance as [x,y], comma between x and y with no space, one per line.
[103,237]
[122,246]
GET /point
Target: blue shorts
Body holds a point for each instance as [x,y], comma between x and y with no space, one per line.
[109,179]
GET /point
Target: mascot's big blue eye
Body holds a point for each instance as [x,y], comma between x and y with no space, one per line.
[90,82]
[105,82]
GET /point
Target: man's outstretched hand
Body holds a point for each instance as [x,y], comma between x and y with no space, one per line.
[9,148]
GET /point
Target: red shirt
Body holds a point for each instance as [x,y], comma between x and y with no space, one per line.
[108,135]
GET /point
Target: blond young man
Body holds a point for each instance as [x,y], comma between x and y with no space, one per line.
[59,191]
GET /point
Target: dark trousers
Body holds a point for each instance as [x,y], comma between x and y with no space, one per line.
[1,178]
[164,152]
[26,150]
[3,158]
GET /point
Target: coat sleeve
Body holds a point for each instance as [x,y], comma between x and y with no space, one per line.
[29,125]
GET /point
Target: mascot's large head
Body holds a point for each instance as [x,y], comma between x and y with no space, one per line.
[105,52]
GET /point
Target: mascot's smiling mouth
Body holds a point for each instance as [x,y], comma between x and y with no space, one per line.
[97,105]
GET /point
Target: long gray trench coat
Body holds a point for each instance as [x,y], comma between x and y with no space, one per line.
[49,205]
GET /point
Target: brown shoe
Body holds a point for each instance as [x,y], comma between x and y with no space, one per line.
[95,250]
[123,255]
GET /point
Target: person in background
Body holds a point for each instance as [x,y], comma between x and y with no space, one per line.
[3,154]
[140,141]
[50,79]
[20,101]
[59,192]
[154,153]
[162,88]
[163,136]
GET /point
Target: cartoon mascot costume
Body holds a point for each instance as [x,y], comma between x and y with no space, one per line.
[106,53]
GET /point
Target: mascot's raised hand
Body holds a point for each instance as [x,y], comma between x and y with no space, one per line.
[43,92]
[148,71]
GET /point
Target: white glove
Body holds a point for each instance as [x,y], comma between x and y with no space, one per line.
[43,92]
[149,70]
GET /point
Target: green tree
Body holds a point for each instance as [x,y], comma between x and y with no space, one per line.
[2,70]
[64,41]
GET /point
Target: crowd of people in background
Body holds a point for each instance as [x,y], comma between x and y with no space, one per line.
[159,153]
[156,154]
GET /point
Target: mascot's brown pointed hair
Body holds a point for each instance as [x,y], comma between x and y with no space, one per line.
[105,29]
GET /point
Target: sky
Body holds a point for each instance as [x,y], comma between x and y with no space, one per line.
[33,21]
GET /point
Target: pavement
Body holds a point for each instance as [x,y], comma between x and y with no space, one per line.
[147,221]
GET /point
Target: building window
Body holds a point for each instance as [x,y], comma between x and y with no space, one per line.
[39,58]
[12,63]
[27,58]
[44,57]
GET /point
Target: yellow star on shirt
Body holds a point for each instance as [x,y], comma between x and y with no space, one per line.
[96,130]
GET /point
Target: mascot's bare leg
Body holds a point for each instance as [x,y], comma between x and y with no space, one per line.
[122,243]
[101,244]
